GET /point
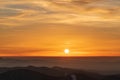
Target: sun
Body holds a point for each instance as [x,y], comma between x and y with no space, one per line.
[66,51]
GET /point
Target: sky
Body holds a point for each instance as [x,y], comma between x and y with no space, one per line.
[47,27]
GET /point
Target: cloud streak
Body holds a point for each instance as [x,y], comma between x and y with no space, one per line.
[59,10]
[21,50]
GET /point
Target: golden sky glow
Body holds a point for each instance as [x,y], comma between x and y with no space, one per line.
[47,27]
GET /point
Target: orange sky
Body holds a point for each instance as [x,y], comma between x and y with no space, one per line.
[47,27]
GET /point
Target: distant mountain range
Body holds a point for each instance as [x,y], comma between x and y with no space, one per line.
[55,73]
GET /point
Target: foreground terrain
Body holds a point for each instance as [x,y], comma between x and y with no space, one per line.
[55,73]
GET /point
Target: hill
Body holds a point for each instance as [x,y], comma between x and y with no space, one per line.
[55,73]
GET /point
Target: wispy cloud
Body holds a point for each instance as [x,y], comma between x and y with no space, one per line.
[21,50]
[59,11]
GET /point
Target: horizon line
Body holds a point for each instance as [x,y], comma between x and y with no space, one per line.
[59,56]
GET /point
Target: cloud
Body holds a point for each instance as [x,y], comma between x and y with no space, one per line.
[19,50]
[58,11]
[6,12]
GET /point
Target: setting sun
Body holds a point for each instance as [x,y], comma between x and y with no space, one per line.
[66,51]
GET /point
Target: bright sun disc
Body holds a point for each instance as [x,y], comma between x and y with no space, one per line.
[66,51]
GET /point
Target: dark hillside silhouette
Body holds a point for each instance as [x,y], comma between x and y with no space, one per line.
[24,74]
[55,73]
